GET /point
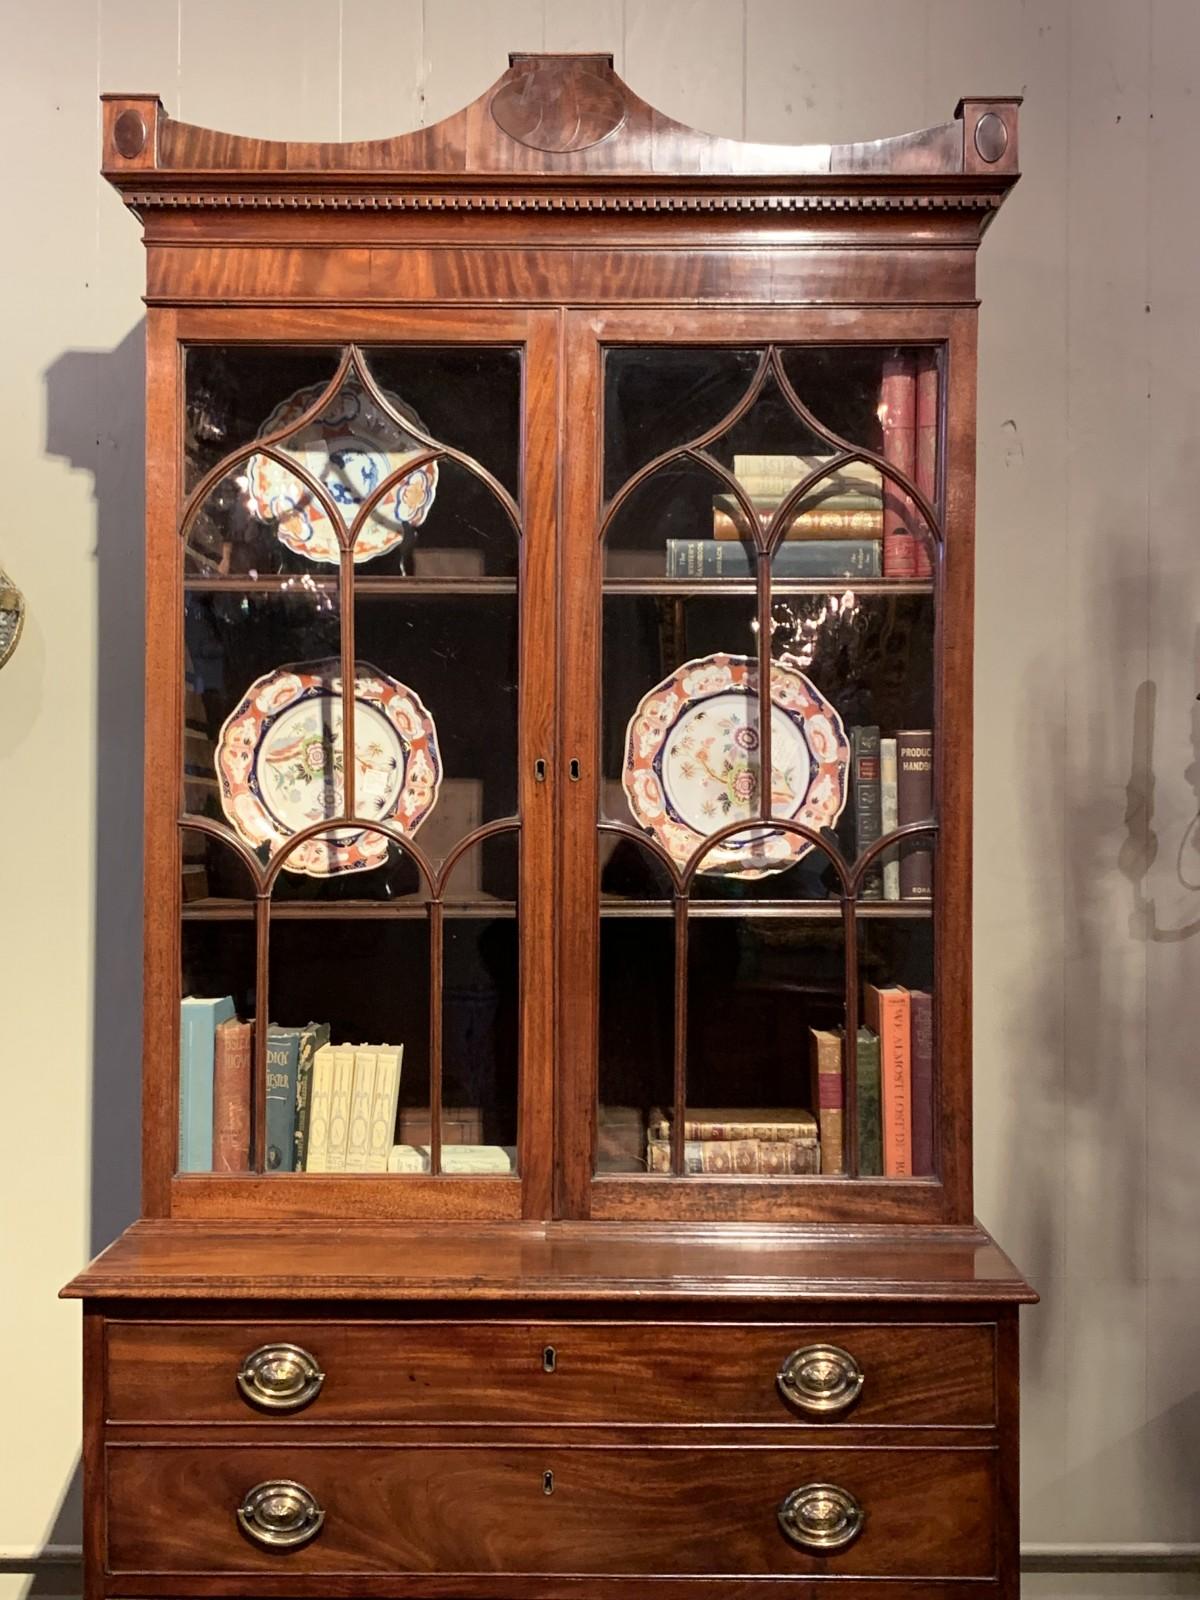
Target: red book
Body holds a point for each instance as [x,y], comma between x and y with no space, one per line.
[888,1015]
[231,1096]
[926,456]
[921,1055]
[898,419]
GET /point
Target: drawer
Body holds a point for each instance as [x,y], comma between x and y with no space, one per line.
[610,1511]
[617,1373]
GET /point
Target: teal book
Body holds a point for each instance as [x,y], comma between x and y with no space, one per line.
[795,558]
[283,1060]
[198,1021]
[311,1040]
[870,1106]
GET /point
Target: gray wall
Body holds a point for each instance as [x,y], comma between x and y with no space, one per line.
[1088,853]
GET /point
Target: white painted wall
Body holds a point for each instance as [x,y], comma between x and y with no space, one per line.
[1087,955]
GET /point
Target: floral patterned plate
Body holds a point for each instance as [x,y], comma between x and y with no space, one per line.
[350,448]
[281,765]
[691,763]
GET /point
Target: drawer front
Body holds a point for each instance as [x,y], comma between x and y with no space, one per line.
[619,1373]
[604,1511]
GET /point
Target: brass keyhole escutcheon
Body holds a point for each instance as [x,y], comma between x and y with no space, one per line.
[549,1358]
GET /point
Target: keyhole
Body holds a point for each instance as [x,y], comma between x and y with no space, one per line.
[549,1358]
[547,1483]
[573,769]
[539,770]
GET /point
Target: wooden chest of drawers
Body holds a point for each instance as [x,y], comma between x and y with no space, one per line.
[596,1444]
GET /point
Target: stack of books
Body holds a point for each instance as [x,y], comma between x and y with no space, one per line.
[891,782]
[894,1086]
[837,532]
[738,1141]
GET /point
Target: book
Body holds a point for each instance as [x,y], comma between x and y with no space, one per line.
[914,803]
[889,816]
[316,1155]
[312,1038]
[825,1062]
[869,1108]
[339,1106]
[868,816]
[897,416]
[925,467]
[887,1012]
[460,1159]
[737,1122]
[740,1157]
[389,1061]
[198,1022]
[920,1003]
[796,558]
[362,1102]
[231,1096]
[620,1139]
[823,522]
[460,1125]
[780,474]
[283,1058]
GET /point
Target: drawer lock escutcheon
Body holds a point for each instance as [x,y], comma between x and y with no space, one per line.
[280,1515]
[821,1379]
[280,1377]
[821,1518]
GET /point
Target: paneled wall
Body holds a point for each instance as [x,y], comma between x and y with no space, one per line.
[1087,949]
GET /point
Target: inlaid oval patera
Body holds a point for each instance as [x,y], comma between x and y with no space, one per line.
[129,133]
[559,106]
[991,136]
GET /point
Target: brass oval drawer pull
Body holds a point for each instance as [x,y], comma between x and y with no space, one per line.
[280,1515]
[280,1377]
[821,1518]
[821,1379]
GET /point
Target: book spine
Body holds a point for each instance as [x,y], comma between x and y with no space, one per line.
[788,471]
[383,1107]
[870,1111]
[739,1157]
[283,1055]
[316,1156]
[763,1132]
[889,815]
[925,467]
[827,523]
[231,1097]
[311,1040]
[897,412]
[868,821]
[921,1055]
[914,803]
[362,1100]
[197,1050]
[825,1050]
[799,558]
[888,1014]
[339,1107]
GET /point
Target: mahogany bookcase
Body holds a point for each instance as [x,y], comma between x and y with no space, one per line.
[438,417]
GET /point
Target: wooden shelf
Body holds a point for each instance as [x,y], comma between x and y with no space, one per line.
[344,910]
[809,910]
[687,588]
[374,588]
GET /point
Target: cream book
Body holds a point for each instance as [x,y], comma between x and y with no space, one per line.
[320,1092]
[456,1158]
[362,1100]
[339,1106]
[383,1106]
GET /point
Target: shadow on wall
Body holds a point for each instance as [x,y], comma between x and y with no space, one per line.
[95,409]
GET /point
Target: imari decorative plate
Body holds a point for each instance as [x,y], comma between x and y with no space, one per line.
[692,764]
[281,764]
[350,448]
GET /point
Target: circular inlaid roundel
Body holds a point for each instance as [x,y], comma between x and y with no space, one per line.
[558,107]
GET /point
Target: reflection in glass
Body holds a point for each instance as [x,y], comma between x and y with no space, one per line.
[479,1044]
[637,1033]
[231,390]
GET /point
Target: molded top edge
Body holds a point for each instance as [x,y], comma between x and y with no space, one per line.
[550,119]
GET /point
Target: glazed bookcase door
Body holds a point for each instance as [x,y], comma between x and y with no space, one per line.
[361,503]
[763,503]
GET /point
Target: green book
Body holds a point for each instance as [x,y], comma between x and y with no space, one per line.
[283,1058]
[311,1040]
[870,1106]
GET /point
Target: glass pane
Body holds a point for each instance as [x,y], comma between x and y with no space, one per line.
[231,392]
[351,996]
[637,1031]
[217,947]
[468,397]
[661,530]
[897,1064]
